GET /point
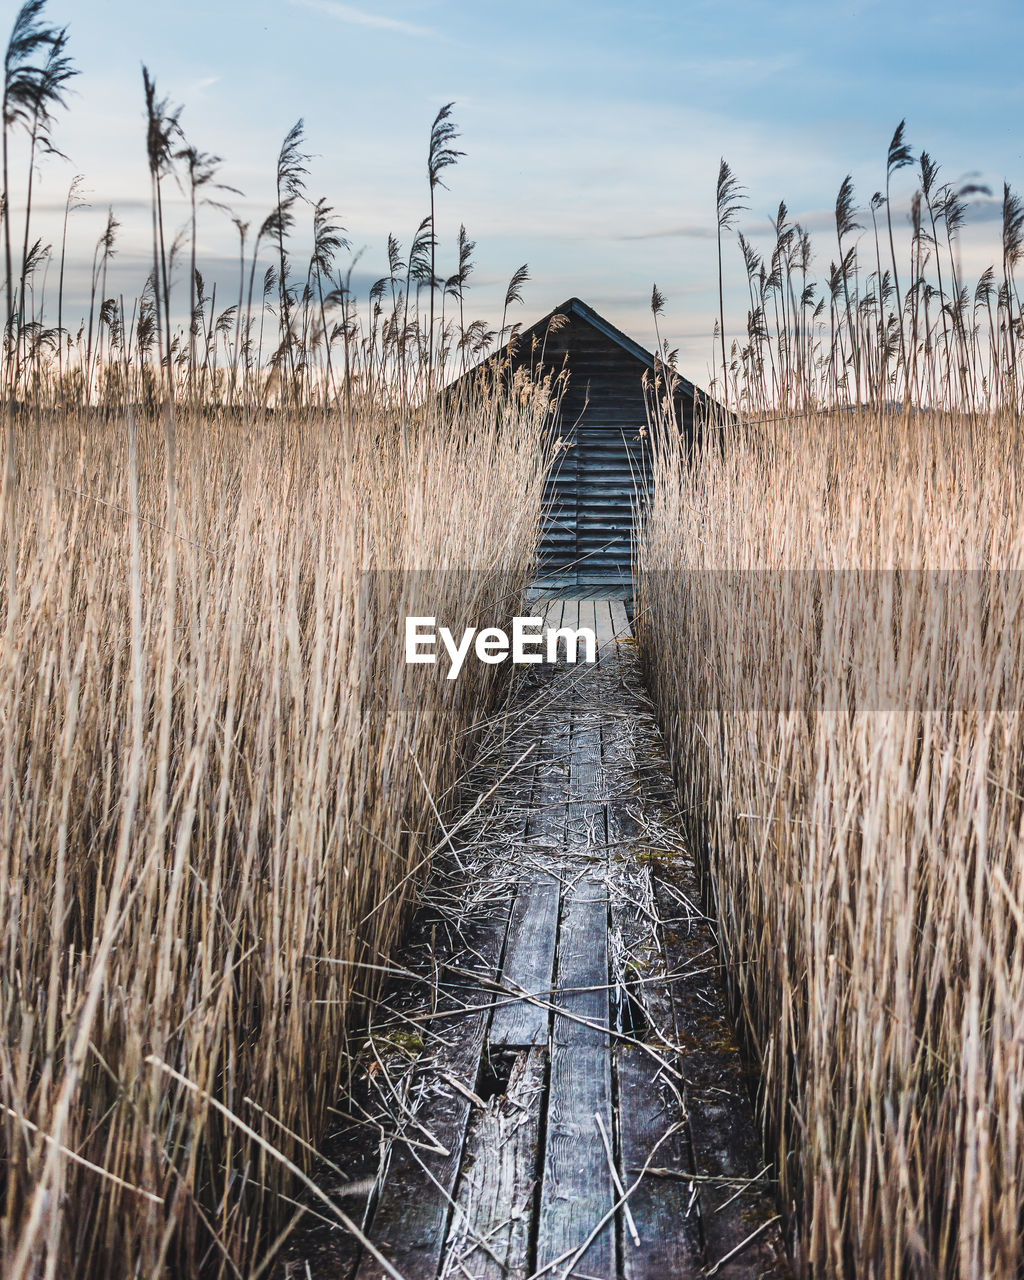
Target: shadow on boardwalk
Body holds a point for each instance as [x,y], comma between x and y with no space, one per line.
[552,1087]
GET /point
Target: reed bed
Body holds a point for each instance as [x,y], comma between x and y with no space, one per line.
[830,616]
[221,785]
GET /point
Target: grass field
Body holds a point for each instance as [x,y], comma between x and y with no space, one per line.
[830,616]
[219,781]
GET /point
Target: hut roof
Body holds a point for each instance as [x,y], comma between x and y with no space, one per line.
[520,349]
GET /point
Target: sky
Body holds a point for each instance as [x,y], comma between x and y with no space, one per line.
[592,132]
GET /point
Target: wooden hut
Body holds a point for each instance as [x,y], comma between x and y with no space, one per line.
[605,462]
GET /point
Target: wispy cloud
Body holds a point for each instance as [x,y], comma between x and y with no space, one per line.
[985,210]
[360,18]
[693,231]
[120,204]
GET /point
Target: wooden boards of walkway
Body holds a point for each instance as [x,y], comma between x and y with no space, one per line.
[577,1106]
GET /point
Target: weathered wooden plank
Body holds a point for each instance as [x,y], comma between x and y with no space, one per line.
[725,1146]
[410,1220]
[611,575]
[723,1136]
[555,577]
[585,822]
[606,555]
[587,614]
[577,1189]
[620,469]
[571,614]
[652,1119]
[546,822]
[652,1135]
[603,627]
[609,549]
[490,1236]
[582,965]
[529,963]
[553,613]
[606,591]
[608,526]
[585,826]
[620,622]
[609,560]
[597,526]
[640,968]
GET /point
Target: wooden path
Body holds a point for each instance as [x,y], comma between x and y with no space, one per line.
[555,1089]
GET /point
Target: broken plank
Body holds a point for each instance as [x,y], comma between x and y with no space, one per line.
[411,1218]
[490,1237]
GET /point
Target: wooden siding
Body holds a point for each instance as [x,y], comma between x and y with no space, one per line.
[602,475]
[604,470]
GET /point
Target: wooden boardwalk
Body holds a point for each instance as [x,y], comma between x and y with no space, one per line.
[555,1089]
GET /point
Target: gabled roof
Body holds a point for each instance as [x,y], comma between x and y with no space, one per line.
[577,307]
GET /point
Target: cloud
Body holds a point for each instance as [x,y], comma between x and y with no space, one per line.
[120,204]
[360,18]
[985,210]
[690,231]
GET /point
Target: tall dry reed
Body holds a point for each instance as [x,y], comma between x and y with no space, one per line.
[831,617]
[218,791]
[832,581]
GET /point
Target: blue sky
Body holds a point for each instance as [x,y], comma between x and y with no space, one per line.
[592,131]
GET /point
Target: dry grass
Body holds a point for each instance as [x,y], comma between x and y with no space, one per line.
[218,776]
[833,633]
[832,590]
[220,784]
